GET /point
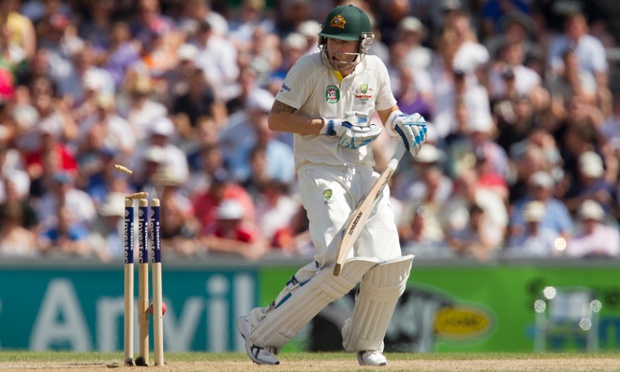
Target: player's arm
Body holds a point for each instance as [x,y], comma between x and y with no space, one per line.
[354,131]
[385,114]
[283,118]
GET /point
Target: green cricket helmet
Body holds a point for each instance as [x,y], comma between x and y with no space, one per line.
[349,23]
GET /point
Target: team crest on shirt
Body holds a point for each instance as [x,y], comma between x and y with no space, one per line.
[363,94]
[338,22]
[332,94]
[327,196]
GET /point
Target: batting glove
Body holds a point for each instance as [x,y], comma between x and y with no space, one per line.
[411,129]
[354,131]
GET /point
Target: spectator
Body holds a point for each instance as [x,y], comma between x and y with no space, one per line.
[516,27]
[204,163]
[175,82]
[470,55]
[38,10]
[158,54]
[204,135]
[248,129]
[63,198]
[572,81]
[113,131]
[412,90]
[421,222]
[293,48]
[509,78]
[294,238]
[15,239]
[121,55]
[262,57]
[528,157]
[153,161]
[249,82]
[412,33]
[217,58]
[147,20]
[516,119]
[252,15]
[222,187]
[419,241]
[479,142]
[10,171]
[161,132]
[258,177]
[57,37]
[66,235]
[52,116]
[96,28]
[310,29]
[488,177]
[534,240]
[141,110]
[475,238]
[178,226]
[51,156]
[99,177]
[590,52]
[590,183]
[86,76]
[494,10]
[278,155]
[275,208]
[20,31]
[556,217]
[597,239]
[444,19]
[107,233]
[426,166]
[195,12]
[291,13]
[199,100]
[456,212]
[232,234]
[454,85]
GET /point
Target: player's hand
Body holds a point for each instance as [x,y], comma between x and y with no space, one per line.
[411,129]
[354,131]
[356,136]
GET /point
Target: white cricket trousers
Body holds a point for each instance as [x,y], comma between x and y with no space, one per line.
[330,194]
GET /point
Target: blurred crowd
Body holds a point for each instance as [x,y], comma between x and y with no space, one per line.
[522,156]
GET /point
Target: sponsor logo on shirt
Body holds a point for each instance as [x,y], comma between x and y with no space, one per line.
[363,93]
[332,94]
[327,196]
[285,88]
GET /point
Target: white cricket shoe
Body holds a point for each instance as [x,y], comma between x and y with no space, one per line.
[371,358]
[260,355]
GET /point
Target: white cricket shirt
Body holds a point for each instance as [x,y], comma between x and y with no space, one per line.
[316,92]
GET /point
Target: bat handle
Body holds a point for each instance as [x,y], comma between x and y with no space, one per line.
[337,269]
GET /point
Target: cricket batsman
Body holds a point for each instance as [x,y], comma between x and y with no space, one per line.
[327,100]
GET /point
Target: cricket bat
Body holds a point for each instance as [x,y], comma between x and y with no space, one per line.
[351,230]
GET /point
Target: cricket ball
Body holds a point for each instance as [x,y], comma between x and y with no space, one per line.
[163,308]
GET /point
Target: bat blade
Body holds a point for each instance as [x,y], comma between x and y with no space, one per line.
[356,221]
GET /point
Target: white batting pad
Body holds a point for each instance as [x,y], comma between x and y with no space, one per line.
[375,303]
[282,323]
